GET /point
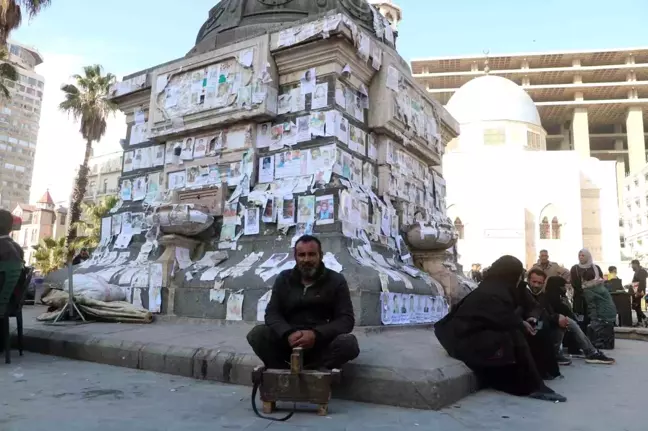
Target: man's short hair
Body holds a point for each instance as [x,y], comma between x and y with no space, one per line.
[309,238]
[6,222]
[635,262]
[543,251]
[612,269]
[536,271]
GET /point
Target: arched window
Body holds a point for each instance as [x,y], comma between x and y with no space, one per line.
[389,17]
[459,227]
[545,232]
[555,228]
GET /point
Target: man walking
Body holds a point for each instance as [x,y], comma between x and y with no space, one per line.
[639,287]
[551,269]
[311,308]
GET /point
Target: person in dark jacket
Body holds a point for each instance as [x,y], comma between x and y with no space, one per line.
[310,307]
[10,251]
[639,290]
[487,330]
[560,319]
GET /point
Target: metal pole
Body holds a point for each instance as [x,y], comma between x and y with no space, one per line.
[70,292]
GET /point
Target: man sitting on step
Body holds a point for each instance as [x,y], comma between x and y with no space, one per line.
[311,308]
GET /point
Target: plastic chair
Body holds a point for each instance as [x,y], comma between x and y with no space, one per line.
[18,300]
[10,273]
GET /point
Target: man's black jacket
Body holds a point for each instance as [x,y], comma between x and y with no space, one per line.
[324,307]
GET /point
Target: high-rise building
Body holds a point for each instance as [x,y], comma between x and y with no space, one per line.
[19,119]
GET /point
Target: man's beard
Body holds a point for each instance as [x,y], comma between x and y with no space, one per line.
[308,271]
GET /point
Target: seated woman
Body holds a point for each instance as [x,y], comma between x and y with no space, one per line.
[486,331]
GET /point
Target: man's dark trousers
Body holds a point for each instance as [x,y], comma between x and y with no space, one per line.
[275,351]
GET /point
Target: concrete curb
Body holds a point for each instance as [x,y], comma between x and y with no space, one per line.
[638,334]
[430,389]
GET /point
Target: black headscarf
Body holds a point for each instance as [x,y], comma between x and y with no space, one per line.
[555,292]
[506,271]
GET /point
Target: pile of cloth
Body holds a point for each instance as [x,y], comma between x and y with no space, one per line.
[112,309]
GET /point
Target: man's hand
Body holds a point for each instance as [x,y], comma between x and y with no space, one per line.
[563,321]
[529,328]
[306,341]
[294,338]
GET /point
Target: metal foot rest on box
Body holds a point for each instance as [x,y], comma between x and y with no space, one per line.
[296,385]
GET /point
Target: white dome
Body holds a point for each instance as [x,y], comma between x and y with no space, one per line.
[492,98]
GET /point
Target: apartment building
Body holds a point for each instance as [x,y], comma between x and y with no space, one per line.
[103,178]
[19,122]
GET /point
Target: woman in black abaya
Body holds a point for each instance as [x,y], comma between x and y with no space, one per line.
[486,331]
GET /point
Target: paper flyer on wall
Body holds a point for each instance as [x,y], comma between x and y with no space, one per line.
[297,100]
[317,123]
[106,228]
[234,307]
[266,169]
[177,180]
[393,77]
[306,209]
[123,240]
[187,149]
[183,257]
[269,211]
[303,129]
[286,211]
[251,226]
[275,260]
[262,305]
[320,96]
[308,80]
[325,209]
[139,188]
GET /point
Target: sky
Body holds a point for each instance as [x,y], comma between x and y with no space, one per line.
[128,36]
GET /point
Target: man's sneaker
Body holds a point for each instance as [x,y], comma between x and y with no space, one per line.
[564,361]
[599,358]
[575,353]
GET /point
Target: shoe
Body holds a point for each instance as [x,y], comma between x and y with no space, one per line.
[562,360]
[548,396]
[549,377]
[599,358]
[576,353]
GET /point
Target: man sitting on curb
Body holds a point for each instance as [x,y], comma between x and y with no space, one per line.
[560,317]
[310,307]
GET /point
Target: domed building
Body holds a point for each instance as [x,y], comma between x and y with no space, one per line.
[507,195]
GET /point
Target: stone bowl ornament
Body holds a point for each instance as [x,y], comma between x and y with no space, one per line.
[434,235]
[181,219]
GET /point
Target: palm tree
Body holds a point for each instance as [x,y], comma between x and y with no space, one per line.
[50,255]
[90,224]
[7,72]
[11,13]
[88,103]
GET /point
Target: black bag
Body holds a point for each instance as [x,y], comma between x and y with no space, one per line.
[601,334]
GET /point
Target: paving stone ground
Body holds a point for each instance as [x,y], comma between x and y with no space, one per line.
[42,393]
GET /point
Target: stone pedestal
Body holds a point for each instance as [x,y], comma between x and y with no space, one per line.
[326,118]
[168,261]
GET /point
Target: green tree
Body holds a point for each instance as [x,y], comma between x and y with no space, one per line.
[87,101]
[7,72]
[50,255]
[11,14]
[90,223]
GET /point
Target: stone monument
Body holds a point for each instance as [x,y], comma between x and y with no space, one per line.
[287,117]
